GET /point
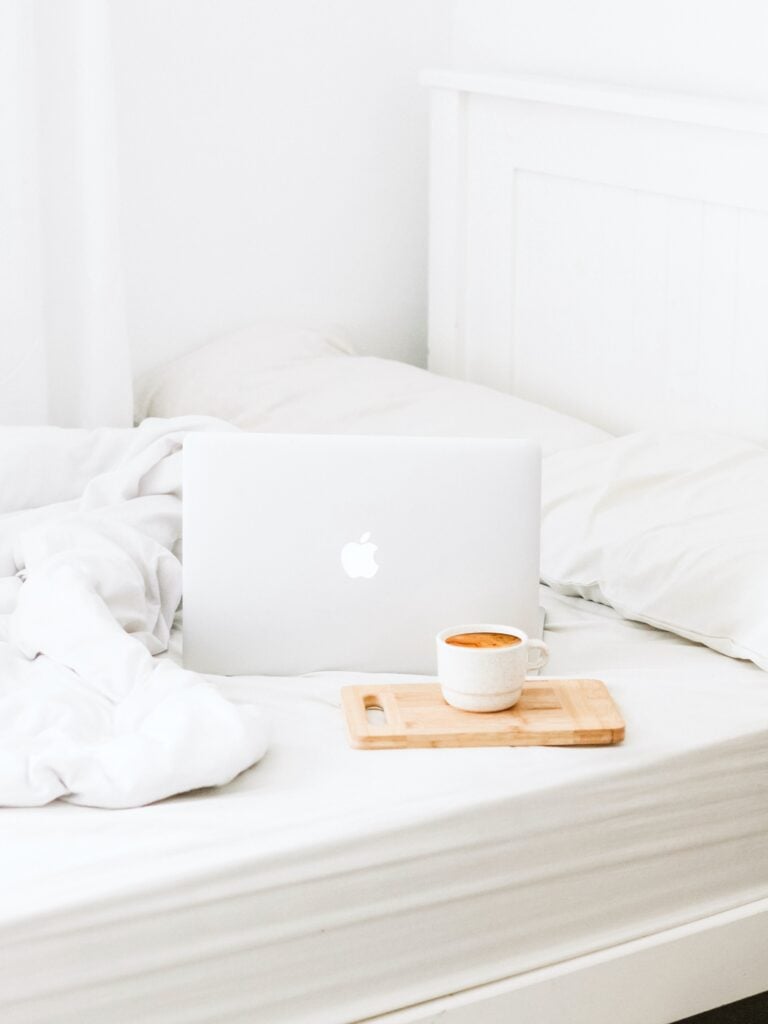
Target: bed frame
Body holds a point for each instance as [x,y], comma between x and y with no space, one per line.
[654,980]
[605,252]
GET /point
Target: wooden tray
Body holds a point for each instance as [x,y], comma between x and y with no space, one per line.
[550,712]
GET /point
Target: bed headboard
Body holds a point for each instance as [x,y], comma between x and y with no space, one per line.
[601,251]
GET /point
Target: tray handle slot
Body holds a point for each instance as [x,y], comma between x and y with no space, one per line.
[375,713]
[373,716]
[385,712]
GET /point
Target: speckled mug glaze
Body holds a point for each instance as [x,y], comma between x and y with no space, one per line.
[486,678]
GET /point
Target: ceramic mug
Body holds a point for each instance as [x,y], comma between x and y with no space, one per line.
[478,678]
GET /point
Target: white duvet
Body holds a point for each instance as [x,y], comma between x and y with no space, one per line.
[90,580]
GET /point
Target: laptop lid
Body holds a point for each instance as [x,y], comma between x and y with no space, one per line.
[312,552]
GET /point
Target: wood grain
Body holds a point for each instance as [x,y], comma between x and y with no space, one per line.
[550,712]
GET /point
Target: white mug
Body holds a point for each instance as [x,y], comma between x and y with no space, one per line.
[486,678]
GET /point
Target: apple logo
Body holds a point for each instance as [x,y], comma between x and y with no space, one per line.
[358,558]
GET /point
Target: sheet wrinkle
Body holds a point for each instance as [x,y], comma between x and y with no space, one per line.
[89,589]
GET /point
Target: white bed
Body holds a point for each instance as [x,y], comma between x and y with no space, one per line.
[330,885]
[333,886]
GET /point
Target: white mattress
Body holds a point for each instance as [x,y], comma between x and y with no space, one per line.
[328,885]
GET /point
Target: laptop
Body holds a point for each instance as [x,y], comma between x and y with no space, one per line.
[312,552]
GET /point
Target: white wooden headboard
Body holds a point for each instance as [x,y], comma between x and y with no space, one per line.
[601,251]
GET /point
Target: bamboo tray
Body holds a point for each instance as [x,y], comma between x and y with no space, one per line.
[550,712]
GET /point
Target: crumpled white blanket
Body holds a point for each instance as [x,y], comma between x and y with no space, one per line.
[90,580]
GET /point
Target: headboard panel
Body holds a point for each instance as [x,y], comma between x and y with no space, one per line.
[600,251]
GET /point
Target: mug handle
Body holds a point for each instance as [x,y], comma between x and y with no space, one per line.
[540,649]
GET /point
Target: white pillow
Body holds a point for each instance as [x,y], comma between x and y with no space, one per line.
[223,373]
[307,382]
[671,530]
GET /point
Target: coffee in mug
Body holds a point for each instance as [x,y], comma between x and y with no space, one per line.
[483,640]
[484,667]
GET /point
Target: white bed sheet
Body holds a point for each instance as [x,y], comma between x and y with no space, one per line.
[329,885]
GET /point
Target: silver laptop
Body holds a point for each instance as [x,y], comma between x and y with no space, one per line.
[310,552]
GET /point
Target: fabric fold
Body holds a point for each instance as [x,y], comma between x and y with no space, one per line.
[89,591]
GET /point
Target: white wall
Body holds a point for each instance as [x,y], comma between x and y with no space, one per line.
[273,163]
[273,153]
[710,47]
